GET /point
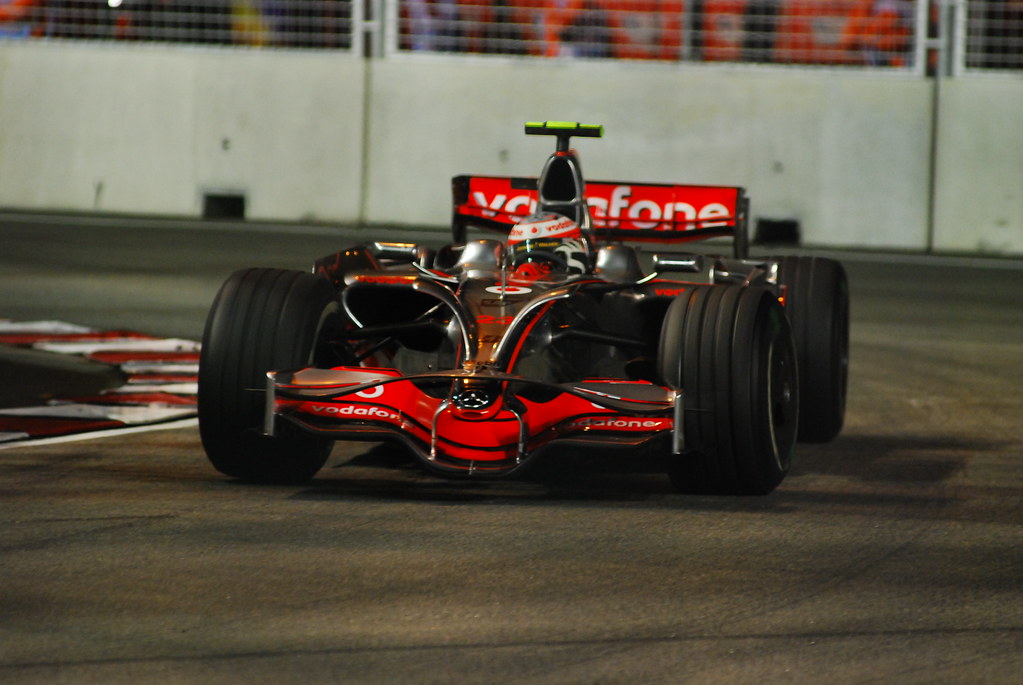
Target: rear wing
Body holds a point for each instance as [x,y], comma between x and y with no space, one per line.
[641,212]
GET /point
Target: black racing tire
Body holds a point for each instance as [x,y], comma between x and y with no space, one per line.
[816,294]
[730,350]
[261,320]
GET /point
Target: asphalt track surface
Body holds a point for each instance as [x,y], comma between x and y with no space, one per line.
[893,554]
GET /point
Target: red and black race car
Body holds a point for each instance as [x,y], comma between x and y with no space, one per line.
[484,355]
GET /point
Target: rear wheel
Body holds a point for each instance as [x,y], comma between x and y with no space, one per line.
[817,305]
[730,350]
[261,320]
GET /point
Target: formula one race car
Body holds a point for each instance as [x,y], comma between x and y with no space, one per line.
[483,356]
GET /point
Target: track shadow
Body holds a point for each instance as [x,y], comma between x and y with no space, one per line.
[894,459]
[389,472]
[886,463]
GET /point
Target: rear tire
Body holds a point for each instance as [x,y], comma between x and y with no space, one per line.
[817,306]
[261,320]
[730,350]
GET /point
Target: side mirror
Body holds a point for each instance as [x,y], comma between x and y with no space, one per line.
[683,262]
[744,272]
[402,252]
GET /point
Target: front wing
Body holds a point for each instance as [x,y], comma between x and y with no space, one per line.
[494,432]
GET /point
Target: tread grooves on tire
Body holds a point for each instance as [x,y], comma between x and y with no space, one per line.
[261,320]
[728,336]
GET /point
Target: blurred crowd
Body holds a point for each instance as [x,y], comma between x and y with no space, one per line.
[828,32]
[283,23]
[876,32]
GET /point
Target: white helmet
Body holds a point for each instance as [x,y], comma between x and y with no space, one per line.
[550,239]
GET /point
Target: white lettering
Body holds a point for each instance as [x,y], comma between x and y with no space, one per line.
[649,206]
[481,201]
[594,422]
[508,290]
[607,212]
[370,393]
[352,410]
[619,200]
[682,208]
[520,205]
[713,211]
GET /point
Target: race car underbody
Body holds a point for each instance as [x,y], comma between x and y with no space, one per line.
[482,356]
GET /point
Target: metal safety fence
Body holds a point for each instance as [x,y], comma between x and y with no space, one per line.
[809,32]
[253,23]
[993,34]
[893,34]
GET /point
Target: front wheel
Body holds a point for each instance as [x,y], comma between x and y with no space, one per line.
[261,320]
[730,350]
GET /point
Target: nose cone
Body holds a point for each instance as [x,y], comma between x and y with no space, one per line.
[474,400]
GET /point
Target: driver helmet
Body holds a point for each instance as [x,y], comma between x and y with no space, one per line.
[550,241]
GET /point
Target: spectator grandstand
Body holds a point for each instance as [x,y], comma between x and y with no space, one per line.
[848,33]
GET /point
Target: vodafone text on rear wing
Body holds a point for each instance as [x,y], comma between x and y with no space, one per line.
[642,212]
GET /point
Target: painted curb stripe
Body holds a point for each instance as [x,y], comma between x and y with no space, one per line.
[159,391]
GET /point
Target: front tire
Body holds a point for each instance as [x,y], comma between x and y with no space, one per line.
[730,350]
[261,320]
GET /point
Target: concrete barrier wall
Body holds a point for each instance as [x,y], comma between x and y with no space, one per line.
[329,137]
[845,156]
[151,130]
[979,189]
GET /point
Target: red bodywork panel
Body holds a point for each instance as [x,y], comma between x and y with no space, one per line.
[620,211]
[493,439]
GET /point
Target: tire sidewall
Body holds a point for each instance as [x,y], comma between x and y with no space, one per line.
[817,306]
[724,346]
[261,320]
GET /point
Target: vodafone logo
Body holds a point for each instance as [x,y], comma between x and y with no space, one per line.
[623,206]
[508,290]
[352,410]
[647,214]
[622,424]
[520,205]
[370,393]
[543,226]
